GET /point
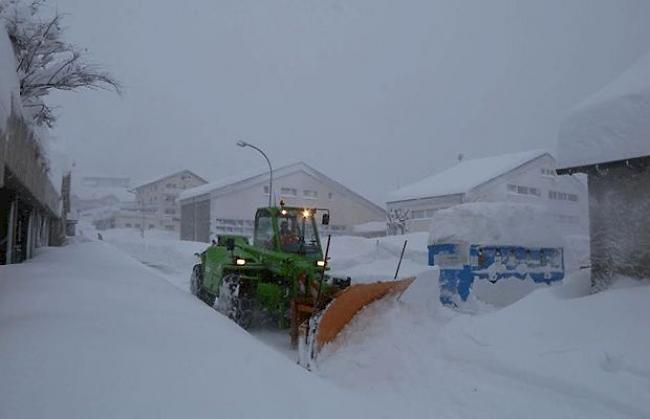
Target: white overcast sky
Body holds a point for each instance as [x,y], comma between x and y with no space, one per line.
[374,93]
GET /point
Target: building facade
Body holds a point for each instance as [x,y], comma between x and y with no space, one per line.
[527,177]
[607,137]
[157,200]
[30,205]
[228,206]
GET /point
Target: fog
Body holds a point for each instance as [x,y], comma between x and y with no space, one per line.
[374,93]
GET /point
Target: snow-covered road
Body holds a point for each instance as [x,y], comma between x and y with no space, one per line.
[89,331]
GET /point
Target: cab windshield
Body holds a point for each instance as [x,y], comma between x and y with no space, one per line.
[298,232]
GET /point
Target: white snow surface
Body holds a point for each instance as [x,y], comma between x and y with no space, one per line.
[88,331]
[552,354]
[8,77]
[495,223]
[464,176]
[94,333]
[613,124]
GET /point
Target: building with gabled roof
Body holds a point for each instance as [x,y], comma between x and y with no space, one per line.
[524,177]
[607,137]
[228,206]
[157,200]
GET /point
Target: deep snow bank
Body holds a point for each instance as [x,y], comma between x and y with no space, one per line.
[89,332]
[555,353]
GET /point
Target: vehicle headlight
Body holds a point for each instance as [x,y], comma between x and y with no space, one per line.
[240,261]
[320,263]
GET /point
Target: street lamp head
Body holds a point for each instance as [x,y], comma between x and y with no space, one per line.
[242,143]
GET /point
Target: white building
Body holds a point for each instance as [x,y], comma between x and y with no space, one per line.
[157,200]
[526,177]
[228,206]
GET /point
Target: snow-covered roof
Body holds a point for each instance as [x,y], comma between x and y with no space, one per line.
[87,192]
[231,180]
[495,223]
[464,176]
[8,78]
[262,175]
[611,125]
[160,179]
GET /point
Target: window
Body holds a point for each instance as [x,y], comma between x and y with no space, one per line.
[562,196]
[136,225]
[169,228]
[264,232]
[288,192]
[524,190]
[128,225]
[310,194]
[151,226]
[170,211]
[266,189]
[548,172]
[330,195]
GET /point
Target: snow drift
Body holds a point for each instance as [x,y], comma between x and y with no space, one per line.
[495,223]
[89,332]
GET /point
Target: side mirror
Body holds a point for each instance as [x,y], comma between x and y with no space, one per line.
[326,219]
[230,244]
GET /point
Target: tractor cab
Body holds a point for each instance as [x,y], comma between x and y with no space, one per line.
[288,229]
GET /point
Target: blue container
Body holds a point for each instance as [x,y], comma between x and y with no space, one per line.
[461,265]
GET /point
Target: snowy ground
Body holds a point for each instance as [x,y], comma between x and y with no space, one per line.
[90,332]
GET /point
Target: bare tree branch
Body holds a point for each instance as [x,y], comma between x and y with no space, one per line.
[45,61]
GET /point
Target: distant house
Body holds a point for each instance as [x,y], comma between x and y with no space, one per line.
[608,138]
[526,177]
[228,205]
[157,201]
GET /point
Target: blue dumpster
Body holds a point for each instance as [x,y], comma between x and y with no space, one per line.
[463,266]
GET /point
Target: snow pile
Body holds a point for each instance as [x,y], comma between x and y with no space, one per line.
[370,260]
[465,176]
[614,124]
[90,333]
[8,78]
[545,356]
[494,223]
[424,292]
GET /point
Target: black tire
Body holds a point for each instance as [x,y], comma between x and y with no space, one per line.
[232,304]
[196,280]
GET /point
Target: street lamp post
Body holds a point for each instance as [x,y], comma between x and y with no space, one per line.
[245,144]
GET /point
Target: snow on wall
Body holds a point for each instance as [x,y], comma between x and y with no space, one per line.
[8,78]
[614,124]
[495,223]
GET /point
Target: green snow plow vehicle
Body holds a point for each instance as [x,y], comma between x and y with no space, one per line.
[281,278]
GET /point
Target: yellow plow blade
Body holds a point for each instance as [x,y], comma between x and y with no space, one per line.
[322,328]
